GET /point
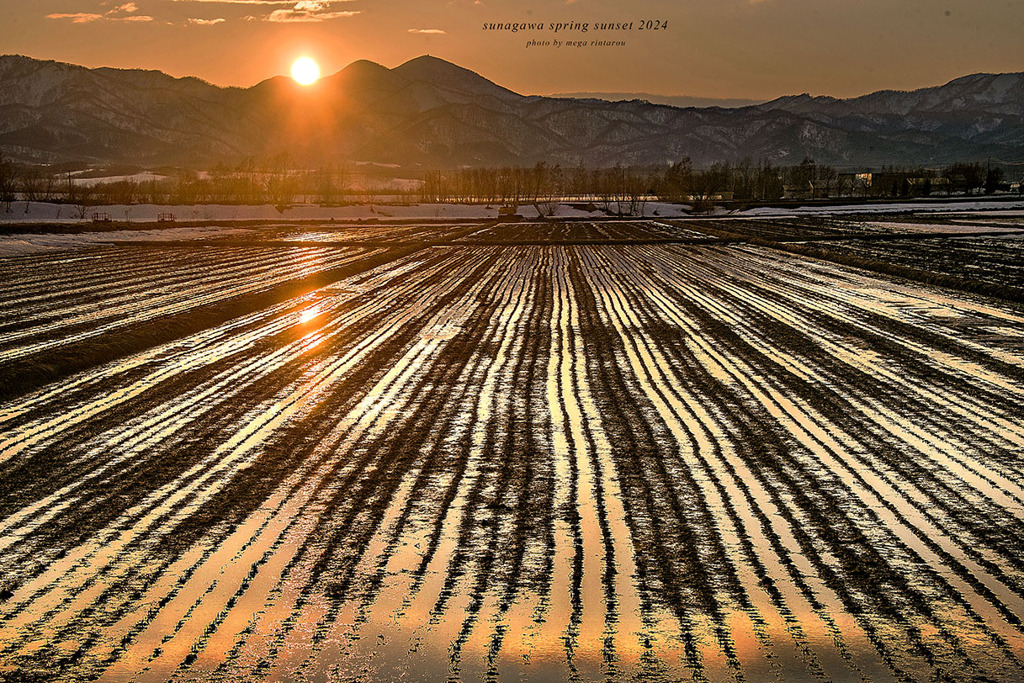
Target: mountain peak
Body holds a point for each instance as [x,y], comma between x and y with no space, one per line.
[361,66]
[429,64]
[444,74]
[430,59]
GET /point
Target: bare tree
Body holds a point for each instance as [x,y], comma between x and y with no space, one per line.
[278,182]
[707,185]
[8,183]
[330,185]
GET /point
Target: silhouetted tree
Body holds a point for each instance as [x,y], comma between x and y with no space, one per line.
[8,183]
[993,179]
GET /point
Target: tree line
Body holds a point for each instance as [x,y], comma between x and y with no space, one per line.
[627,188]
[270,181]
[622,189]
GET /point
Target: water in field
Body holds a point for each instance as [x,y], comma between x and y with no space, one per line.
[491,458]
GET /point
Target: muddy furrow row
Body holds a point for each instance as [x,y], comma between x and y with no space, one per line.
[320,559]
[125,310]
[337,626]
[741,449]
[414,494]
[761,316]
[729,488]
[60,274]
[914,317]
[133,286]
[575,615]
[637,633]
[826,443]
[241,445]
[104,411]
[796,390]
[123,296]
[125,441]
[31,420]
[986,396]
[333,468]
[68,277]
[59,287]
[549,463]
[995,426]
[868,392]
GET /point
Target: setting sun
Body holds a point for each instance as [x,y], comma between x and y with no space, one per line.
[305,71]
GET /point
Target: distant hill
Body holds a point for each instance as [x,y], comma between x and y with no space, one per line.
[670,100]
[429,112]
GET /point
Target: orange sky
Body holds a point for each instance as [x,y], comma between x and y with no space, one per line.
[711,48]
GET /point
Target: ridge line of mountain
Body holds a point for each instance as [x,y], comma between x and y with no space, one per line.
[428,112]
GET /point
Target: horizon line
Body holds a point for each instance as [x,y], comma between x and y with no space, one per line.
[756,100]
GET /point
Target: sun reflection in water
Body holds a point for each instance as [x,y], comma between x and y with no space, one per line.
[308,314]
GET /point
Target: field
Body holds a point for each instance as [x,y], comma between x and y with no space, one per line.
[650,451]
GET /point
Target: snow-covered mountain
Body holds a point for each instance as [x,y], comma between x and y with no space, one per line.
[430,112]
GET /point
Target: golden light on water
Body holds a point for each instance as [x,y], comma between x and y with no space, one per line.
[313,311]
[305,71]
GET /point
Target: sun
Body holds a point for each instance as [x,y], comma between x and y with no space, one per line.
[305,71]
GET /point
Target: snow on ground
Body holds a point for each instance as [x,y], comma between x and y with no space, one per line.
[995,207]
[14,245]
[42,213]
[37,212]
[144,177]
[941,227]
[148,213]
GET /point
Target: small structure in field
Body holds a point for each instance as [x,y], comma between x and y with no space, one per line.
[165,218]
[101,217]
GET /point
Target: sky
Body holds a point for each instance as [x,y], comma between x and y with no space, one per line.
[756,49]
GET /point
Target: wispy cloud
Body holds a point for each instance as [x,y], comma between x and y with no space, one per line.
[123,12]
[288,11]
[429,31]
[76,17]
[307,11]
[277,3]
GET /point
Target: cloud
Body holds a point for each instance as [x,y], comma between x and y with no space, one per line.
[307,11]
[206,22]
[299,16]
[294,11]
[241,2]
[428,31]
[76,17]
[124,12]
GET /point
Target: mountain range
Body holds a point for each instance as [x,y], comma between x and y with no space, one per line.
[671,100]
[431,113]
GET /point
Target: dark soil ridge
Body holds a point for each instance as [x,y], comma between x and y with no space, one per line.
[927,277]
[31,373]
[865,568]
[721,237]
[116,226]
[802,246]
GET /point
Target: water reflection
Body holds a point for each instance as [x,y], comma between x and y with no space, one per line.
[539,463]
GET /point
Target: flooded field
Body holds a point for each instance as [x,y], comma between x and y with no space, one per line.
[470,456]
[992,260]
